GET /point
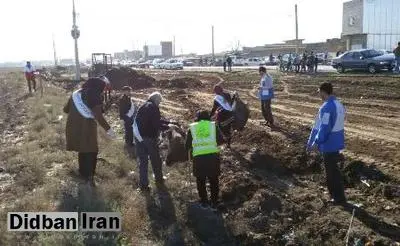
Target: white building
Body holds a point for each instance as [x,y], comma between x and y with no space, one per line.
[371,24]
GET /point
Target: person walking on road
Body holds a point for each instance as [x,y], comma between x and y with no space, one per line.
[328,135]
[85,110]
[310,62]
[297,63]
[303,63]
[266,93]
[223,112]
[146,129]
[201,140]
[224,64]
[229,63]
[126,113]
[315,63]
[397,55]
[29,71]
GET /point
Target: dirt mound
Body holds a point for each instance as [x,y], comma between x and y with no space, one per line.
[200,221]
[182,83]
[125,76]
[237,188]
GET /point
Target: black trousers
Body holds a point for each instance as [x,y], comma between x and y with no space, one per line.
[267,111]
[297,68]
[87,164]
[128,132]
[334,178]
[202,189]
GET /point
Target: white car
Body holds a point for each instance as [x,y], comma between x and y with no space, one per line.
[157,63]
[172,64]
[253,62]
[238,61]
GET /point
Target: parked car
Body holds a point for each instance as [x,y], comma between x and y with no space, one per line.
[270,62]
[367,59]
[172,64]
[321,58]
[157,63]
[145,64]
[187,63]
[237,61]
[253,62]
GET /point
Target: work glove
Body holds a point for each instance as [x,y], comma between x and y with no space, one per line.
[111,134]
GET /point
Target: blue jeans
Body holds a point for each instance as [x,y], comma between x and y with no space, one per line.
[144,150]
[397,68]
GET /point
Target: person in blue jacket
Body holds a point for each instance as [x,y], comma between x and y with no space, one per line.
[328,136]
[266,93]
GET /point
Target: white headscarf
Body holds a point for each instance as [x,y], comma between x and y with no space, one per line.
[156,97]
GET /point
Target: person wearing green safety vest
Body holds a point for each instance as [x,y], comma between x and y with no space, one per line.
[201,141]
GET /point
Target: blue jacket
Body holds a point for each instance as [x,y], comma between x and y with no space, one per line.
[328,130]
[264,95]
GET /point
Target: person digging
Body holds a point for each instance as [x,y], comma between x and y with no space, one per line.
[201,143]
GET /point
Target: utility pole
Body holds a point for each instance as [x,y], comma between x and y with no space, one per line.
[54,52]
[75,33]
[297,29]
[212,42]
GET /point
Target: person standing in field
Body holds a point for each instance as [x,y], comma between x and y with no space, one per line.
[397,55]
[201,141]
[126,113]
[29,71]
[85,111]
[328,136]
[266,93]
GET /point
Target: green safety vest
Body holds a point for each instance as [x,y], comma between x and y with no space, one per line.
[204,135]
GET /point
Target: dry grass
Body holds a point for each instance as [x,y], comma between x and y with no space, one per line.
[45,179]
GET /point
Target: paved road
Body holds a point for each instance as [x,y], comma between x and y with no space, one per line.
[321,68]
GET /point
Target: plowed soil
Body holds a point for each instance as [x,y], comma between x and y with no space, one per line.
[274,193]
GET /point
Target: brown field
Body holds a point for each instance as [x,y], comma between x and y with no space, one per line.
[277,198]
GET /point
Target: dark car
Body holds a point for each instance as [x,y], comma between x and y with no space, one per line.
[368,59]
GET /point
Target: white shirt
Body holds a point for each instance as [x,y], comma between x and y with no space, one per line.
[29,70]
[266,82]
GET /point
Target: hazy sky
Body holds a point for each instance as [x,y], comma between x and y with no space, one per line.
[115,25]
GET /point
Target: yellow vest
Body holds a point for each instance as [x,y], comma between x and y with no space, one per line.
[204,135]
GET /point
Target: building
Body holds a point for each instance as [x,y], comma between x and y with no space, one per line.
[371,24]
[331,45]
[166,49]
[128,55]
[163,50]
